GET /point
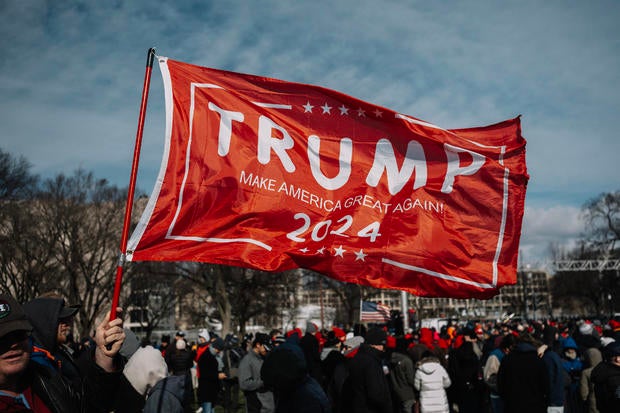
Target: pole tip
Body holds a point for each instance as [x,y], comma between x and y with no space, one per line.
[150,57]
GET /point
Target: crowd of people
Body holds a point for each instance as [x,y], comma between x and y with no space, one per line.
[568,366]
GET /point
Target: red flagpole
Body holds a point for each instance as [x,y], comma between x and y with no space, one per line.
[132,182]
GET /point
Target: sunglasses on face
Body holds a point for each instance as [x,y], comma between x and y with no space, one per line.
[14,337]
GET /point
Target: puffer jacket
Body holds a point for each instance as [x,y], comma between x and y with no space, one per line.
[179,362]
[431,380]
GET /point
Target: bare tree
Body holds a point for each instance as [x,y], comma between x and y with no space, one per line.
[241,294]
[27,264]
[25,254]
[85,215]
[152,296]
[593,291]
[16,180]
[602,217]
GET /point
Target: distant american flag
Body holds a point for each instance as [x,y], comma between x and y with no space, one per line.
[375,312]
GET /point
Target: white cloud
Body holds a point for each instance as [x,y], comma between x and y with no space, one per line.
[560,225]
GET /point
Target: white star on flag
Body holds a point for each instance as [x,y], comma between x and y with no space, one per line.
[308,107]
[320,250]
[304,250]
[360,255]
[339,251]
[344,110]
[378,113]
[361,113]
[326,108]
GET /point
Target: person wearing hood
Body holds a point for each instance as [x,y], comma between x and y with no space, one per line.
[204,339]
[431,380]
[29,386]
[523,379]
[366,389]
[570,358]
[593,357]
[143,371]
[573,366]
[285,371]
[606,379]
[52,322]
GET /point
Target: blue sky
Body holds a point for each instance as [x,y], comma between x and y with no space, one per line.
[71,77]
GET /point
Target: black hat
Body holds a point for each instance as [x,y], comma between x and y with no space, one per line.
[12,316]
[376,336]
[218,344]
[264,339]
[68,311]
[612,349]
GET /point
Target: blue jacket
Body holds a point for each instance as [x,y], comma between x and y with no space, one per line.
[558,378]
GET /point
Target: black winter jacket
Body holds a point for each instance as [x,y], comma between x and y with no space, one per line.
[60,396]
[606,379]
[209,384]
[523,381]
[366,389]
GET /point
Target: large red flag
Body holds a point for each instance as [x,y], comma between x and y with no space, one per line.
[274,175]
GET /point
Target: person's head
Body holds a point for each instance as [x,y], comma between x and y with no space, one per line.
[377,338]
[507,343]
[181,344]
[527,338]
[203,336]
[218,345]
[311,328]
[284,369]
[52,320]
[14,346]
[275,333]
[611,353]
[65,323]
[569,348]
[145,368]
[469,334]
[261,344]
